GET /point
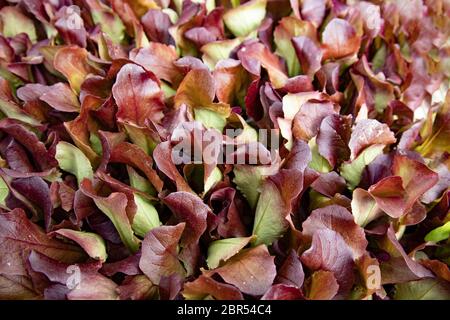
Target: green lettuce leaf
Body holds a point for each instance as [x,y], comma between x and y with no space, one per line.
[72,160]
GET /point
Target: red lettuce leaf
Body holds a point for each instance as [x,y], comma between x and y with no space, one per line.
[159,253]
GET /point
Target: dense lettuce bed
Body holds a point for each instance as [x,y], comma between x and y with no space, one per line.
[347,197]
